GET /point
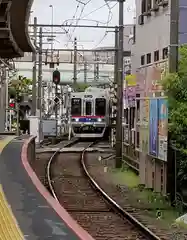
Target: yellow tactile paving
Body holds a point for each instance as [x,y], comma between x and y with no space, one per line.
[9,229]
[5,141]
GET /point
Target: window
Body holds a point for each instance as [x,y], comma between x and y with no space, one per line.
[88,108]
[148,58]
[76,106]
[165,53]
[100,107]
[156,56]
[143,60]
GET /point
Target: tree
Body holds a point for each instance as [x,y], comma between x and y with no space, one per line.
[175,86]
[80,87]
[20,86]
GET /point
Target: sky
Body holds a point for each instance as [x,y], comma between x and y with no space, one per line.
[71,10]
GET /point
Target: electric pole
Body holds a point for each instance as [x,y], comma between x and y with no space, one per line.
[96,67]
[119,127]
[75,63]
[173,67]
[85,71]
[40,70]
[33,110]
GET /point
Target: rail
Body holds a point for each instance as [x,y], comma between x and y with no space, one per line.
[49,167]
[116,207]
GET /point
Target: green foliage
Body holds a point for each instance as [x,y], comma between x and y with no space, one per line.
[80,87]
[175,86]
[20,86]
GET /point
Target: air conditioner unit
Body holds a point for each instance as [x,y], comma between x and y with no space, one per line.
[141,20]
[155,7]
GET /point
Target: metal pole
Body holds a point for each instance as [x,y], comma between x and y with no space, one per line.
[33,110]
[173,67]
[119,135]
[75,62]
[174,35]
[17,119]
[56,110]
[7,98]
[85,71]
[116,55]
[40,70]
[51,32]
[97,68]
[40,84]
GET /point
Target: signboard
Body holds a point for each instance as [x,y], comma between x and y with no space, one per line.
[144,125]
[162,128]
[130,90]
[153,127]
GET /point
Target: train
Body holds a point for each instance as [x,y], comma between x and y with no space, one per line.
[90,113]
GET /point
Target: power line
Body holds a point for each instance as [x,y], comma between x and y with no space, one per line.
[110,15]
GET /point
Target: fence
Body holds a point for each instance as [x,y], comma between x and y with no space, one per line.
[145,140]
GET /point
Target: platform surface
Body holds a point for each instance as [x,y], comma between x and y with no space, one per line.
[34,216]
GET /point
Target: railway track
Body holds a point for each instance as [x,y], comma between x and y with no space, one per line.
[71,184]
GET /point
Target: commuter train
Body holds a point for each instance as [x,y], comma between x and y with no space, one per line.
[90,111]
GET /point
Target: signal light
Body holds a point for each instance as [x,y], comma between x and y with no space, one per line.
[56,77]
[11,105]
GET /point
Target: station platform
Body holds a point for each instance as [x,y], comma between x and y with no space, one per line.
[27,210]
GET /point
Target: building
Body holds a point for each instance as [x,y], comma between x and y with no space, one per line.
[151,48]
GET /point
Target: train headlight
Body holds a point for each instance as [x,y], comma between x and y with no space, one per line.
[99,120]
[76,119]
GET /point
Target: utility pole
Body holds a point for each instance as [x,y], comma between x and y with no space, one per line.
[119,127]
[174,36]
[56,109]
[75,63]
[40,71]
[96,67]
[173,67]
[34,59]
[85,71]
[114,99]
[116,55]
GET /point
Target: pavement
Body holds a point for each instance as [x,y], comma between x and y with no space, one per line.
[25,212]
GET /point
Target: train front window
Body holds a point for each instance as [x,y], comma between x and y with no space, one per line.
[76,106]
[100,107]
[88,108]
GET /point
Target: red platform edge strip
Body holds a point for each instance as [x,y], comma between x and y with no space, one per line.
[63,214]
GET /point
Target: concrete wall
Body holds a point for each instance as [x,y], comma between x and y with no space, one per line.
[152,35]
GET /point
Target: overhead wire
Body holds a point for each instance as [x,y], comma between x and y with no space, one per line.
[110,16]
[79,18]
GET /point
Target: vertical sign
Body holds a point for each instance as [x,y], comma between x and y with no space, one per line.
[153,127]
[144,125]
[162,128]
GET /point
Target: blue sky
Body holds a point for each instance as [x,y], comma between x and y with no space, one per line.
[65,10]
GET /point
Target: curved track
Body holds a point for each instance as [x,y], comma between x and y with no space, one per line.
[83,198]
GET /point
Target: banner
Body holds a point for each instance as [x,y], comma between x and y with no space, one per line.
[162,128]
[144,125]
[130,90]
[153,127]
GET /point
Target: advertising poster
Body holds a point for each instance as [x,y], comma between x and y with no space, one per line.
[130,89]
[153,127]
[162,128]
[144,125]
